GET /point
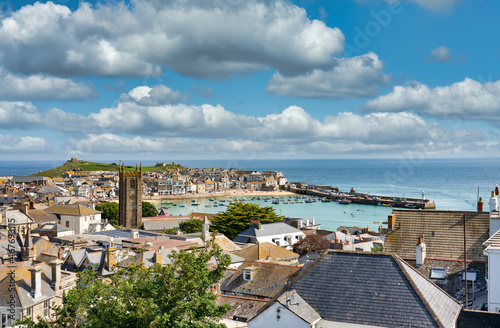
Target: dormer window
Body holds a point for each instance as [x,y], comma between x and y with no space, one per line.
[249,273]
[438,273]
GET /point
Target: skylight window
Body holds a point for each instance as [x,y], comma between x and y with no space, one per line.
[471,275]
[438,273]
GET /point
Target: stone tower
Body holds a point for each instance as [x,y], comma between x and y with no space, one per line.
[130,208]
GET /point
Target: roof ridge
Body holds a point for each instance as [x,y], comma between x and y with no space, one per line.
[399,263]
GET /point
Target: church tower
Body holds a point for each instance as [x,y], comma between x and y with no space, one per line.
[130,207]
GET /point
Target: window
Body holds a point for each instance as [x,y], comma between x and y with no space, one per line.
[28,312]
[67,224]
[4,320]
[247,275]
[471,275]
[438,273]
[46,308]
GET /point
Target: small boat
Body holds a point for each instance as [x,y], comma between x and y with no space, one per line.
[344,201]
[215,205]
[193,201]
[276,201]
[195,204]
[182,205]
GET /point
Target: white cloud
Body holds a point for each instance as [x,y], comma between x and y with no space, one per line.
[159,95]
[441,55]
[41,87]
[466,100]
[207,129]
[14,144]
[193,38]
[355,77]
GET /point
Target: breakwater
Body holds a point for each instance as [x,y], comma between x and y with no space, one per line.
[333,193]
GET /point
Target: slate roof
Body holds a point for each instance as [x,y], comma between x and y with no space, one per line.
[40,216]
[74,209]
[269,229]
[16,217]
[300,307]
[443,234]
[23,284]
[241,307]
[48,227]
[374,289]
[265,282]
[27,179]
[266,251]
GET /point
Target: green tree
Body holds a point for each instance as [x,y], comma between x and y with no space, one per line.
[148,210]
[238,215]
[191,225]
[174,295]
[109,211]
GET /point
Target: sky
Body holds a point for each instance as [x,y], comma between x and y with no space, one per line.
[249,79]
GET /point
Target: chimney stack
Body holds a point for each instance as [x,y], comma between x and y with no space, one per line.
[480,205]
[206,229]
[56,274]
[493,202]
[134,234]
[390,222]
[36,281]
[111,257]
[421,251]
[256,224]
[157,256]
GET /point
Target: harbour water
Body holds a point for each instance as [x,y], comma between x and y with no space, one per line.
[450,183]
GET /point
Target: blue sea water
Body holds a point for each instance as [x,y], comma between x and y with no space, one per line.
[450,183]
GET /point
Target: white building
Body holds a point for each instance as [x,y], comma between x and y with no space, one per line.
[77,217]
[278,233]
[493,252]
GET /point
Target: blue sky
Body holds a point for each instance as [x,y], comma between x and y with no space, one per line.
[238,79]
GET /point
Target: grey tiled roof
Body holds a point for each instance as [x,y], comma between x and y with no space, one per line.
[158,225]
[298,306]
[374,289]
[269,229]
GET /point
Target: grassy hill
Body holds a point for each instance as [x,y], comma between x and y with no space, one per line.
[90,166]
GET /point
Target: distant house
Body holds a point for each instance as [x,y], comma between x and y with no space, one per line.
[356,289]
[278,233]
[77,217]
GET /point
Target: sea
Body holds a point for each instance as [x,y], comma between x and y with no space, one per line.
[453,184]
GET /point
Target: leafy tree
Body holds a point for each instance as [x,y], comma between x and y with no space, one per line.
[191,225]
[148,210]
[311,243]
[238,215]
[109,211]
[174,295]
[377,249]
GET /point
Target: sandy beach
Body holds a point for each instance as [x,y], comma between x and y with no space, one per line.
[237,193]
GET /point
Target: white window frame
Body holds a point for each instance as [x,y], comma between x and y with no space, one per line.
[247,275]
